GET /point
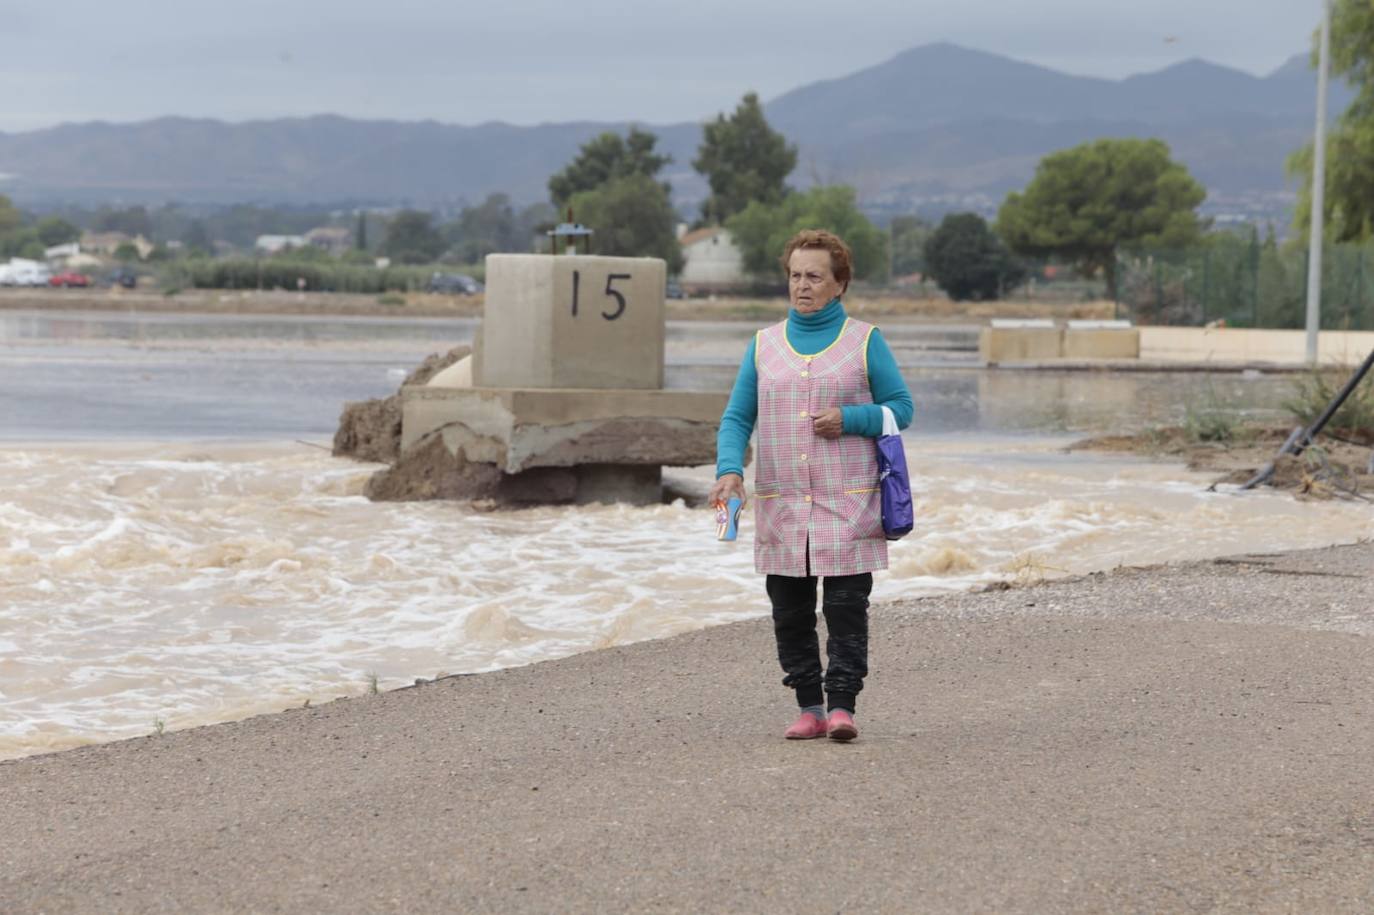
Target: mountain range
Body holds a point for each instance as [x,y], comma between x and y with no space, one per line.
[935,123]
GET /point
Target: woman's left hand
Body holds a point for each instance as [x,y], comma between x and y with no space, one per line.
[828,423]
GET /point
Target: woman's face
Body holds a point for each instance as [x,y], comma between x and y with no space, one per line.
[810,283]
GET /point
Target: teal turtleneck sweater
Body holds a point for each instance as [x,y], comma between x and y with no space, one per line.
[809,334]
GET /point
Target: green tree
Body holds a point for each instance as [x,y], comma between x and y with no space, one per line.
[968,261]
[127,252]
[360,233]
[1085,202]
[241,224]
[1349,195]
[1281,303]
[309,254]
[22,242]
[605,158]
[10,217]
[54,230]
[761,230]
[130,221]
[411,238]
[532,222]
[908,235]
[743,160]
[197,238]
[632,217]
[485,229]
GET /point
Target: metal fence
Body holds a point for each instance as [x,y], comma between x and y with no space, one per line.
[1244,283]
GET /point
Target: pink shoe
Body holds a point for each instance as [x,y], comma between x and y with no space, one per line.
[842,725]
[806,727]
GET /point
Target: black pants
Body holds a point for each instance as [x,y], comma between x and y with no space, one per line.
[845,605]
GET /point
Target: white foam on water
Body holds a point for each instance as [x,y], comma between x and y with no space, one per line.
[191,583]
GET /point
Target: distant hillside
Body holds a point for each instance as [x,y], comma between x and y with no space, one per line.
[933,121]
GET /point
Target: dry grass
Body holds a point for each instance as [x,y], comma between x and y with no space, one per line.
[1329,468]
[1029,569]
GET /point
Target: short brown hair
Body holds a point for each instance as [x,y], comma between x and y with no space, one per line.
[841,261]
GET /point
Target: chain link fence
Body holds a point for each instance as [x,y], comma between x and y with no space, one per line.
[1244,283]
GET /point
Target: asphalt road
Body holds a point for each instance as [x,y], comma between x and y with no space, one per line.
[1192,738]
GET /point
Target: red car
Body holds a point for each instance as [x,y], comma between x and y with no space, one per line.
[69,279]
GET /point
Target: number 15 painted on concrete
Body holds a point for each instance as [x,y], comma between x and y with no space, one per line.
[611,292]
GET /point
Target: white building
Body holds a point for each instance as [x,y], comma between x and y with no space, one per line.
[271,244]
[58,252]
[71,257]
[334,239]
[710,258]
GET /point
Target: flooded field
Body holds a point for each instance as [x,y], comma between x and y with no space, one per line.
[171,555]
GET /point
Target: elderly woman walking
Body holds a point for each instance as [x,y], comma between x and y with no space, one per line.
[815,386]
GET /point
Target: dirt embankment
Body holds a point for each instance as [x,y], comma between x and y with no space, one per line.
[370,430]
[1334,467]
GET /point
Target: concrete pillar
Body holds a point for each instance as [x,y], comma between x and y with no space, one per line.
[572,322]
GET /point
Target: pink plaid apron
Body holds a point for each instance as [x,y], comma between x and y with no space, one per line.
[813,494]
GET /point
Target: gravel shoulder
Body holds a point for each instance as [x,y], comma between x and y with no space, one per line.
[1191,737]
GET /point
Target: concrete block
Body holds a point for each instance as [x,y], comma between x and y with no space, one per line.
[1021,322]
[572,322]
[1230,345]
[1099,324]
[1019,344]
[517,429]
[1105,343]
[458,375]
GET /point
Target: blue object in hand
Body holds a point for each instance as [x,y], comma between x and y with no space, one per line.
[727,519]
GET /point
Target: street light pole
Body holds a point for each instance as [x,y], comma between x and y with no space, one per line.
[1318,216]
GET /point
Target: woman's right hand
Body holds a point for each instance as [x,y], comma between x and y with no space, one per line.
[728,486]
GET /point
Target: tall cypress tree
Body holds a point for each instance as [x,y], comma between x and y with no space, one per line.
[744,160]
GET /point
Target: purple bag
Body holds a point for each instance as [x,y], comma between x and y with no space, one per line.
[893,480]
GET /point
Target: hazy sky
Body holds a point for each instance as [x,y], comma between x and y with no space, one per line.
[530,61]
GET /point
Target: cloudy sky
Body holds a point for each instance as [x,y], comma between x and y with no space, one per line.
[532,61]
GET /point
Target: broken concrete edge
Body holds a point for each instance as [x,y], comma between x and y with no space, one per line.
[431,471]
[520,428]
[570,404]
[517,446]
[622,441]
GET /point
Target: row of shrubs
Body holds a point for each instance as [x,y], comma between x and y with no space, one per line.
[245,273]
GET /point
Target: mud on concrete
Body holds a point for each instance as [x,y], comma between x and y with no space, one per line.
[370,430]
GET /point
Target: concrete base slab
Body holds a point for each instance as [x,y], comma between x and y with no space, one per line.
[546,446]
[518,429]
[1019,344]
[1101,343]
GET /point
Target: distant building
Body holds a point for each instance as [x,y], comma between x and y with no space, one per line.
[710,258]
[62,252]
[70,257]
[106,243]
[334,239]
[102,242]
[271,244]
